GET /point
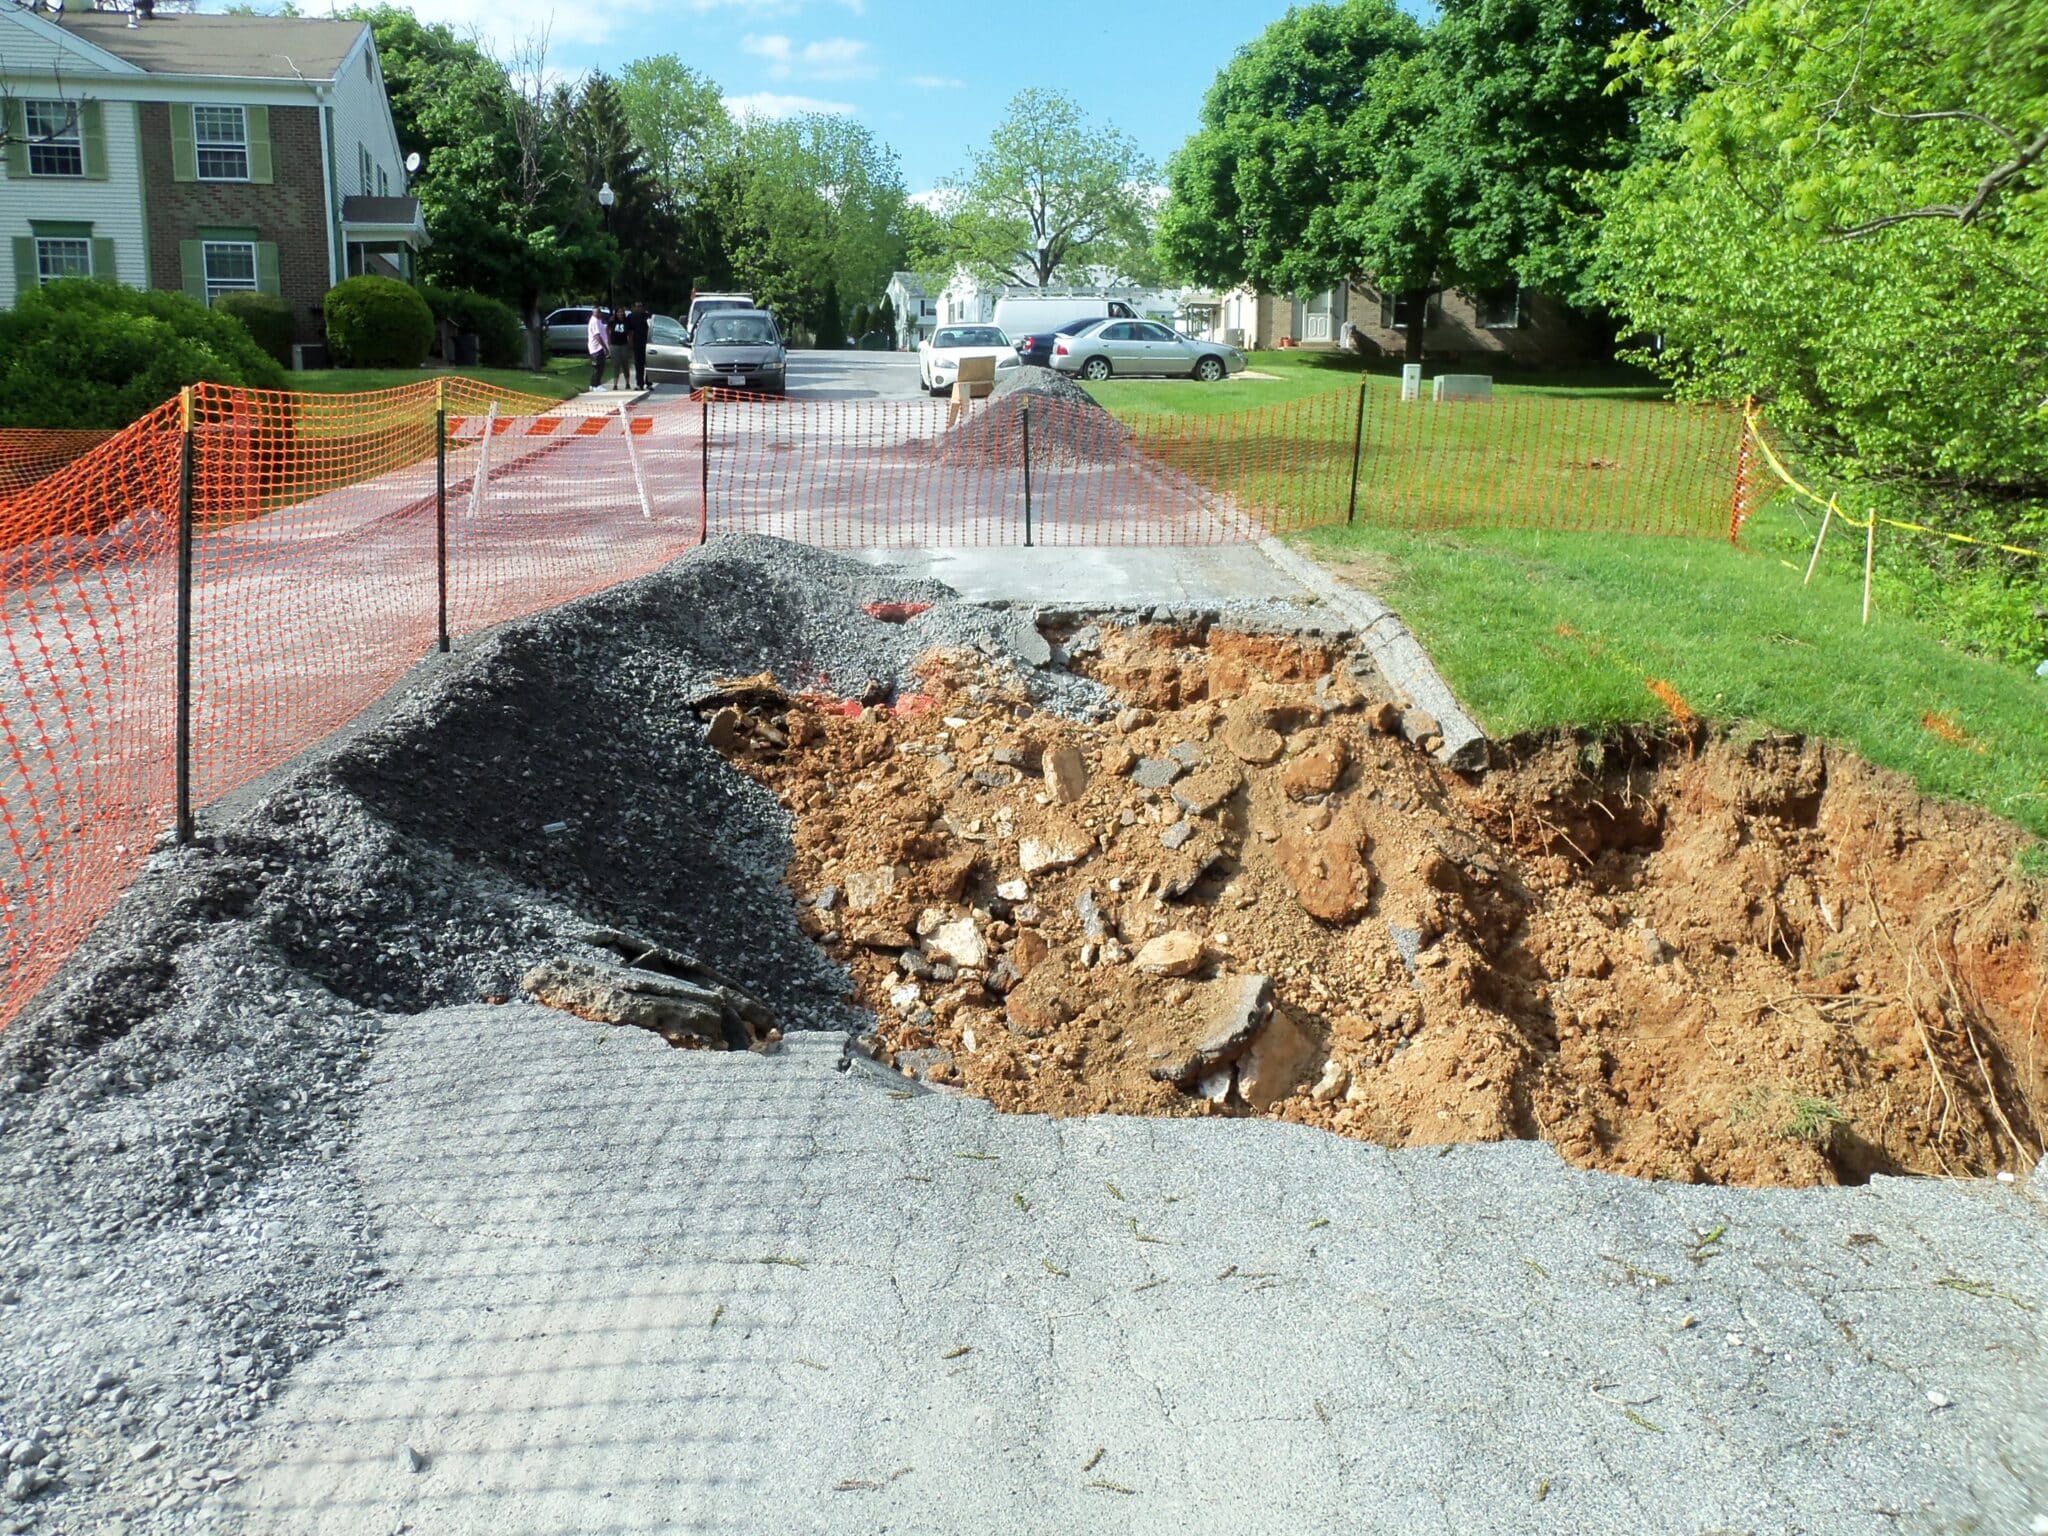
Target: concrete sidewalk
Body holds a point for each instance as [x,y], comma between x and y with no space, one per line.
[1177,577]
[635,1289]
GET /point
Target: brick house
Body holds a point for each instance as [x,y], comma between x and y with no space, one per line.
[1518,327]
[206,154]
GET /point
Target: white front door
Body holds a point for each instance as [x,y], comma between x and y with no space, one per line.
[1317,310]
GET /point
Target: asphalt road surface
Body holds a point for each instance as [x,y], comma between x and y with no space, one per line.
[854,375]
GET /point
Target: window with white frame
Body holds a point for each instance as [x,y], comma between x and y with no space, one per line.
[383,182]
[363,176]
[1498,309]
[230,267]
[55,145]
[221,137]
[62,256]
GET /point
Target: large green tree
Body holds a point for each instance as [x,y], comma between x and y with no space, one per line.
[810,208]
[1847,216]
[678,118]
[509,215]
[1349,142]
[1053,194]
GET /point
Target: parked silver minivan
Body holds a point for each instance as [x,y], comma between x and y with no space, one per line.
[738,349]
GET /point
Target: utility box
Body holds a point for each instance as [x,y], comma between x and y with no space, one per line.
[1411,381]
[1461,386]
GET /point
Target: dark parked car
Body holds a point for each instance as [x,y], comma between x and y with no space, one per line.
[1036,348]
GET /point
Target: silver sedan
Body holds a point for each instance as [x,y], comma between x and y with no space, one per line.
[1128,347]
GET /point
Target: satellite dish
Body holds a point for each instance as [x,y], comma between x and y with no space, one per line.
[412,162]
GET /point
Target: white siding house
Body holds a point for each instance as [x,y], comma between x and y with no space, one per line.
[198,153]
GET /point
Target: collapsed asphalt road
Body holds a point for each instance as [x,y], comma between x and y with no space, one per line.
[298,1230]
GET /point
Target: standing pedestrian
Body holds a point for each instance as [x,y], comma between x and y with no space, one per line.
[622,351]
[636,333]
[595,344]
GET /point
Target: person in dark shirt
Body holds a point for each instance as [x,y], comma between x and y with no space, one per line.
[636,336]
[622,350]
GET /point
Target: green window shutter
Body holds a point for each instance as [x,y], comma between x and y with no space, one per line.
[266,268]
[259,143]
[17,136]
[92,136]
[103,266]
[192,257]
[184,156]
[25,276]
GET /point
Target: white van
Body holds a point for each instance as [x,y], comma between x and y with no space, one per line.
[1025,315]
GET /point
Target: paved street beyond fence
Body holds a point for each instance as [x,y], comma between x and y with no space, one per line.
[196,599]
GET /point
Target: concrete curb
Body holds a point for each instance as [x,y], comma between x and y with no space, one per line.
[1395,651]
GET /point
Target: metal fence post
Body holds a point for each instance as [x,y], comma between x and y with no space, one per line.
[441,500]
[1357,452]
[1026,414]
[704,469]
[184,617]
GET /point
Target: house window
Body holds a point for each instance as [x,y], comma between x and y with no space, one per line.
[383,182]
[1499,309]
[230,267]
[61,257]
[363,169]
[221,137]
[1397,309]
[55,146]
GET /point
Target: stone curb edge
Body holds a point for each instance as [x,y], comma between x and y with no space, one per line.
[1395,651]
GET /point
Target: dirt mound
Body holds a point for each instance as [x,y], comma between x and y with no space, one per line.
[1744,960]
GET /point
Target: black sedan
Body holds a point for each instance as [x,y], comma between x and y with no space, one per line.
[1036,348]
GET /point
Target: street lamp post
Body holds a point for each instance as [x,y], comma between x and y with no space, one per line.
[605,198]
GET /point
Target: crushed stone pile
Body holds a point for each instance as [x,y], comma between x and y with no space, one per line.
[540,813]
[1068,427]
[1751,961]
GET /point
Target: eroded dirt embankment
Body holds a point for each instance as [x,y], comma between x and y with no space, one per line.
[1745,959]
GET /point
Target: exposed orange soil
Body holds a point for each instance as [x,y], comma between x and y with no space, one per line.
[1692,957]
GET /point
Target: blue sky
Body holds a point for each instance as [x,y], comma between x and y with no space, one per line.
[929,77]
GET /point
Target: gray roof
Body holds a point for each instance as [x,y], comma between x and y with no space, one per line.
[357,209]
[233,47]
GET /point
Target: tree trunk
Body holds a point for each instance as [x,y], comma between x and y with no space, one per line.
[536,346]
[1418,318]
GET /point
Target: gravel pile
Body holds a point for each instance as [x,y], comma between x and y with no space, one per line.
[1067,425]
[176,1225]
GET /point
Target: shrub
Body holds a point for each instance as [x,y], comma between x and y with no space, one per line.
[378,322]
[267,318]
[80,353]
[500,333]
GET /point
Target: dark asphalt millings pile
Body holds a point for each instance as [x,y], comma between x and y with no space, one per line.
[175,1224]
[1067,425]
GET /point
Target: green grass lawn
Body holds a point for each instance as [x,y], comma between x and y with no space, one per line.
[1589,449]
[1297,372]
[563,378]
[1537,629]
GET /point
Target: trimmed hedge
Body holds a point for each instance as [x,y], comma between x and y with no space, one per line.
[501,335]
[80,353]
[378,322]
[267,318]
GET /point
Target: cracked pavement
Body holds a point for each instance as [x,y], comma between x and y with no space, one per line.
[634,1289]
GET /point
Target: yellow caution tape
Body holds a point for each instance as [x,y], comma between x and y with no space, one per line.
[1778,468]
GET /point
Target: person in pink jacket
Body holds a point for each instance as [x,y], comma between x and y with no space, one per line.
[598,344]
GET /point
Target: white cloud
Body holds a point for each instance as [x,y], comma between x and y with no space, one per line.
[775,48]
[773,104]
[939,200]
[831,58]
[936,82]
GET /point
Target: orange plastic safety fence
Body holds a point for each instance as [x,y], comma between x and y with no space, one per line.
[320,525]
[27,454]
